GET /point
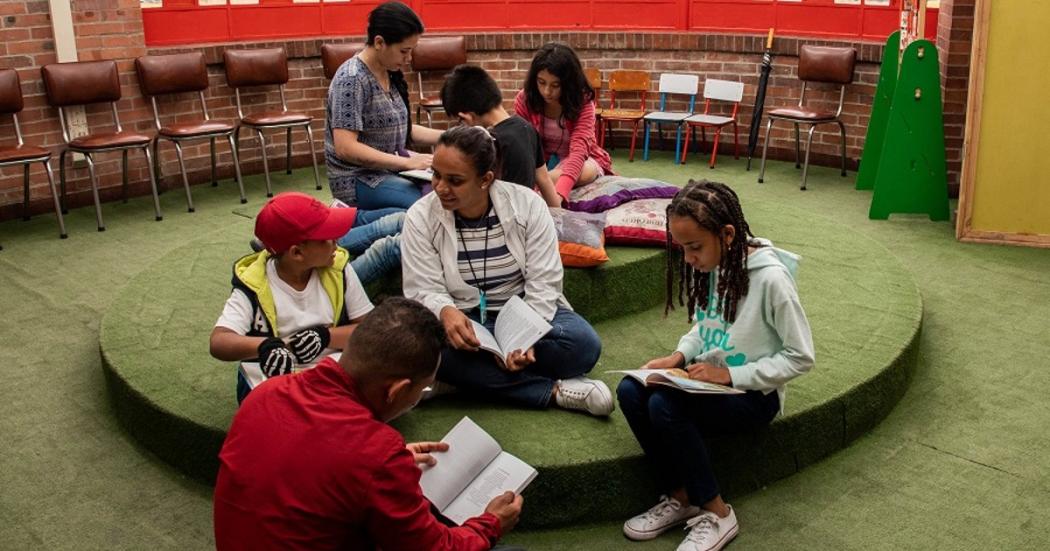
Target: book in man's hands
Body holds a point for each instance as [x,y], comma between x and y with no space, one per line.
[473,471]
[518,327]
[677,378]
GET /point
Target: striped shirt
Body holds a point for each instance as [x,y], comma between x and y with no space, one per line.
[490,268]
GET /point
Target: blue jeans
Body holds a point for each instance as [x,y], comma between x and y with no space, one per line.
[569,349]
[374,241]
[392,191]
[671,425]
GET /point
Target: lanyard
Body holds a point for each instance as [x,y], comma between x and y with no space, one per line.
[483,305]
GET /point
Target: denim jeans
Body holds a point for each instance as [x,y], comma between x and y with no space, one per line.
[392,191]
[569,349]
[671,426]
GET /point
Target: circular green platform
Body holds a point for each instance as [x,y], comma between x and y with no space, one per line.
[864,309]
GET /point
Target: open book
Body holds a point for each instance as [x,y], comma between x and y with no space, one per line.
[424,175]
[471,473]
[518,327]
[253,372]
[677,378]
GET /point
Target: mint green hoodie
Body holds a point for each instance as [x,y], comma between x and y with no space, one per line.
[770,342]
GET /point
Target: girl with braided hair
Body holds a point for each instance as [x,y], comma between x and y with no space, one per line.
[750,333]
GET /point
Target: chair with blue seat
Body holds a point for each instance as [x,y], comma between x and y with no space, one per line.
[671,84]
[719,91]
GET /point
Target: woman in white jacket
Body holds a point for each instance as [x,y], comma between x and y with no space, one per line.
[469,247]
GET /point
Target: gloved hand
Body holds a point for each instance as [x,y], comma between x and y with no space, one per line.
[309,343]
[274,358]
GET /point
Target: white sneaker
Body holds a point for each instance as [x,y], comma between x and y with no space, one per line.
[436,389]
[585,394]
[708,532]
[662,517]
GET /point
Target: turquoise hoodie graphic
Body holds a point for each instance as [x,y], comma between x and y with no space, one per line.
[770,342]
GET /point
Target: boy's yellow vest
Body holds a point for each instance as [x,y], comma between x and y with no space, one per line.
[249,275]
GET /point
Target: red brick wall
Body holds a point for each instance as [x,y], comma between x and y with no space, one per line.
[954,42]
[112,29]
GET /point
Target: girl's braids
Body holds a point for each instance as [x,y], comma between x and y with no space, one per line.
[712,206]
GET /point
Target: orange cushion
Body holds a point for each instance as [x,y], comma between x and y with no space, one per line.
[575,255]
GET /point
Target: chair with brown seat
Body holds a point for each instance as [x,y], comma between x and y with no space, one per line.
[594,79]
[267,67]
[22,154]
[621,82]
[176,74]
[84,83]
[435,53]
[819,64]
[334,55]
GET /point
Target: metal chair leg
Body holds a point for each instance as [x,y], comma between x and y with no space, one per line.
[153,186]
[266,165]
[54,197]
[237,168]
[765,150]
[156,159]
[805,165]
[842,131]
[62,179]
[677,141]
[714,147]
[94,192]
[214,175]
[645,142]
[430,118]
[288,151]
[313,155]
[124,176]
[185,179]
[25,195]
[797,142]
[685,144]
[634,139]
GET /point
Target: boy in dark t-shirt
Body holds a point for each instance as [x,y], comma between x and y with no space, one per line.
[470,95]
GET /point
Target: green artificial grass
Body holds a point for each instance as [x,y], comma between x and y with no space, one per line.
[960,463]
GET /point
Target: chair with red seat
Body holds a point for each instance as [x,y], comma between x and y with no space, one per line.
[819,64]
[84,83]
[435,53]
[620,82]
[22,154]
[267,67]
[176,74]
[334,55]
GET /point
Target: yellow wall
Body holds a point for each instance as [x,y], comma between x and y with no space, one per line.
[1012,185]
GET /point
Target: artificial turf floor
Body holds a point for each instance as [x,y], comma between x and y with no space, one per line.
[960,463]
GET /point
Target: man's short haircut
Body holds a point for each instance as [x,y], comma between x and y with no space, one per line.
[399,339]
[469,89]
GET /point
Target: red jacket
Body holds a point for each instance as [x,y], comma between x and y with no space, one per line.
[307,466]
[582,143]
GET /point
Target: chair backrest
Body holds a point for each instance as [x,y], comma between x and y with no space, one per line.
[629,81]
[594,78]
[256,67]
[439,53]
[334,55]
[81,82]
[826,64]
[172,74]
[10,91]
[723,90]
[676,83]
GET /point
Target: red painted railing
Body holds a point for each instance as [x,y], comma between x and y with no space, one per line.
[186,22]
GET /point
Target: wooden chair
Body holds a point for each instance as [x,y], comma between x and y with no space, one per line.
[176,74]
[22,154]
[435,53]
[267,67]
[722,91]
[820,64]
[671,84]
[625,82]
[88,82]
[333,56]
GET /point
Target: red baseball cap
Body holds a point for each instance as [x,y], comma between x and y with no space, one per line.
[292,218]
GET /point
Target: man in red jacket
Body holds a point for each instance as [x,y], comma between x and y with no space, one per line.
[311,463]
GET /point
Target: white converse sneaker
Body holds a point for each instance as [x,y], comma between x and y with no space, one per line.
[585,394]
[708,532]
[662,517]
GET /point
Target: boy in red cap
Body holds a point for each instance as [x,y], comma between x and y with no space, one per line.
[292,299]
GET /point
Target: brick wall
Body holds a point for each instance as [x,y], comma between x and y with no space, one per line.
[954,42]
[113,29]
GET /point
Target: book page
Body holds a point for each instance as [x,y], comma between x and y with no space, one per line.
[253,373]
[470,449]
[518,326]
[672,378]
[505,473]
[425,175]
[487,340]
